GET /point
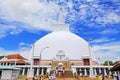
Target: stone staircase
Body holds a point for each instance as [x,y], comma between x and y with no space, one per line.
[65,64]
[68,74]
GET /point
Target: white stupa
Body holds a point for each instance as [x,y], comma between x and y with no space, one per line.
[73,46]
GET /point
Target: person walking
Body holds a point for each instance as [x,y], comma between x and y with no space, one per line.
[116,77]
[100,76]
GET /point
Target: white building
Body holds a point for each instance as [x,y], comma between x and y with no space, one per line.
[9,73]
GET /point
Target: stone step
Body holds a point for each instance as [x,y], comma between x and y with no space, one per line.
[65,64]
[80,78]
[68,74]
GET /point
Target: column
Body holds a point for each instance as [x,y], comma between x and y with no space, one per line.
[105,72]
[110,73]
[3,63]
[48,70]
[37,71]
[95,72]
[115,72]
[23,71]
[85,72]
[42,71]
[10,64]
[28,71]
[80,72]
[6,63]
[119,74]
[100,70]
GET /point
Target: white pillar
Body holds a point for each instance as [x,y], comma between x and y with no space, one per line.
[80,72]
[91,67]
[28,71]
[23,71]
[105,72]
[3,63]
[100,70]
[37,71]
[110,73]
[85,72]
[119,74]
[6,63]
[48,70]
[95,71]
[42,71]
[10,64]
[31,71]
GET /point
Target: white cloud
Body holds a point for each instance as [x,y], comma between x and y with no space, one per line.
[23,50]
[109,31]
[108,51]
[24,44]
[30,12]
[35,14]
[4,29]
[101,40]
[109,17]
[70,5]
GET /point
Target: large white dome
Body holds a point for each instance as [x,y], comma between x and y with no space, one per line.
[73,46]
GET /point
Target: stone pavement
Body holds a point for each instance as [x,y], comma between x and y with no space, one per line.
[81,78]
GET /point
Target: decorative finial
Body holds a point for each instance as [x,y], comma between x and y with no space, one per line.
[60,25]
[61,17]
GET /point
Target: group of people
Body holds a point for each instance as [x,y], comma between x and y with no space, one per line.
[101,77]
[116,77]
[51,76]
[60,70]
[36,78]
[57,71]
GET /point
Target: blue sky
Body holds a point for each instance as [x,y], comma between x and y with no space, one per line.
[22,22]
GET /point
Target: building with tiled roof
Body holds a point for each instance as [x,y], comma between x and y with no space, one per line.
[13,59]
[14,56]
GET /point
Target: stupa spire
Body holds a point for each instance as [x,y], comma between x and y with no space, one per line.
[60,25]
[61,17]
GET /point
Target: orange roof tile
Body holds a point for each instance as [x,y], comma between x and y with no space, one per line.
[14,56]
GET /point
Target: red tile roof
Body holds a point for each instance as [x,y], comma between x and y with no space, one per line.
[15,56]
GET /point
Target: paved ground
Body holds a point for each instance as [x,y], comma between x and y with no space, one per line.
[80,78]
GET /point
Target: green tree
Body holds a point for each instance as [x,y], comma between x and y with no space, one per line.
[1,57]
[110,63]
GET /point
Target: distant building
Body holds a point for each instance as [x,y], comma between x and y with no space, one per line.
[13,59]
[9,73]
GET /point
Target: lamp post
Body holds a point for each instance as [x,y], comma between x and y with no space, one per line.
[30,74]
[90,55]
[91,68]
[40,55]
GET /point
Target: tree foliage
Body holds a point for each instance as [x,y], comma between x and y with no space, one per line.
[108,63]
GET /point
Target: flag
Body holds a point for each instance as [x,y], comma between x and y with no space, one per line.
[90,39]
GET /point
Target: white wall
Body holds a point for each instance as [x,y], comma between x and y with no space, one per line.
[15,74]
[6,74]
[10,74]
